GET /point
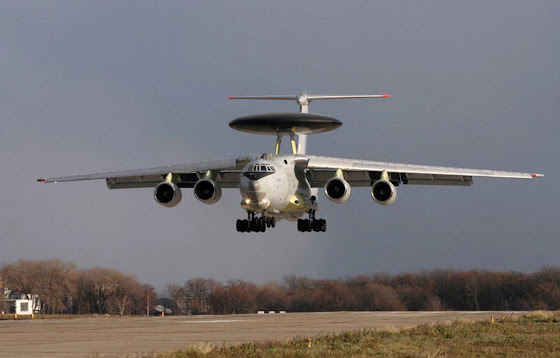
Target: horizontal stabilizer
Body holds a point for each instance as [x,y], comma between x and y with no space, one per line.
[279,98]
[304,98]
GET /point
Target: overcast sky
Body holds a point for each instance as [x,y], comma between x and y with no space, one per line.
[89,86]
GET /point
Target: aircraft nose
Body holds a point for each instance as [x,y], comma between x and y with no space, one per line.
[254,185]
[263,204]
[255,201]
[254,197]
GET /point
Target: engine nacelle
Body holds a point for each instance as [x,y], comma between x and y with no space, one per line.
[337,190]
[383,192]
[207,191]
[167,194]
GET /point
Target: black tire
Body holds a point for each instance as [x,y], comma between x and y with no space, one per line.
[247,225]
[307,225]
[316,225]
[262,224]
[273,222]
[239,225]
[323,225]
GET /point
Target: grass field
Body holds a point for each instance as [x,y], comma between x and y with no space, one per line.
[11,316]
[534,335]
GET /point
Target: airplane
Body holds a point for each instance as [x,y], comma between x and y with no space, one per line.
[276,186]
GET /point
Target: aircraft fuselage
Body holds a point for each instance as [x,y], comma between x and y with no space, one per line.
[276,187]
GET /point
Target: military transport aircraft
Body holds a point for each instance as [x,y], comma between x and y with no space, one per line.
[275,186]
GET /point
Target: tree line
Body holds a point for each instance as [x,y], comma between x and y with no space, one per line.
[63,288]
[435,290]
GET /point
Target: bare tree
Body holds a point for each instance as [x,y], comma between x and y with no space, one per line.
[271,297]
[19,277]
[219,300]
[96,287]
[52,280]
[378,297]
[197,291]
[126,288]
[148,297]
[62,288]
[241,296]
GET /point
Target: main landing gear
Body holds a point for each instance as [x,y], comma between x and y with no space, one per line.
[255,224]
[312,224]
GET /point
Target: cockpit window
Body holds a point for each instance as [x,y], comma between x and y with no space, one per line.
[262,168]
[259,170]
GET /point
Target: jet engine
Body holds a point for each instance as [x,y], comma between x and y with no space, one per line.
[337,190]
[207,191]
[167,194]
[383,192]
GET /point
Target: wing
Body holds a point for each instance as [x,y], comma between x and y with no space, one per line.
[364,173]
[226,171]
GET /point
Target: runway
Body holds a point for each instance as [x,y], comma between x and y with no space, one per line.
[83,337]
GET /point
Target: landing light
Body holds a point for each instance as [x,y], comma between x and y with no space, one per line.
[247,201]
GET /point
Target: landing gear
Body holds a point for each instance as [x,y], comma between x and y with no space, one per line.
[312,224]
[254,223]
[270,222]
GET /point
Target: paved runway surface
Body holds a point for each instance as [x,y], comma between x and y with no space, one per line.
[84,337]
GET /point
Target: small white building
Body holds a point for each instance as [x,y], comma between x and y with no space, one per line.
[20,306]
[23,307]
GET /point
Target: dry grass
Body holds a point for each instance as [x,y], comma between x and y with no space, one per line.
[51,316]
[533,335]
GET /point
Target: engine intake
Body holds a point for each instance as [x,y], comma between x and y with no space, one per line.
[383,192]
[167,194]
[207,191]
[337,190]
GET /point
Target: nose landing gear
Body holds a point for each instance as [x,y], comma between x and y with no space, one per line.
[312,224]
[255,224]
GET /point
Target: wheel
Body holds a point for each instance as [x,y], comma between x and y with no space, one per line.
[239,225]
[262,224]
[315,225]
[246,225]
[273,222]
[307,225]
[299,225]
[255,224]
[319,225]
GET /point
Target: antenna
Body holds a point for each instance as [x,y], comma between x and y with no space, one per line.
[303,101]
